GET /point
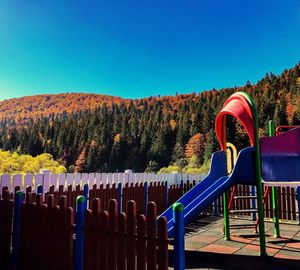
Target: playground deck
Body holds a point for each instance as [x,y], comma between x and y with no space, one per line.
[206,248]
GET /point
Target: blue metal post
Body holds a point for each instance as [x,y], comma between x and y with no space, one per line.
[16,227]
[119,197]
[298,199]
[253,202]
[80,208]
[39,189]
[167,193]
[145,197]
[178,219]
[86,194]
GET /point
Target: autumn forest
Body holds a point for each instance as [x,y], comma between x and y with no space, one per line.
[93,133]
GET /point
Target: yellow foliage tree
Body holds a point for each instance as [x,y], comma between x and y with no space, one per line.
[12,163]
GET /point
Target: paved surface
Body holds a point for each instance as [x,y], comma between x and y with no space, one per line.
[206,248]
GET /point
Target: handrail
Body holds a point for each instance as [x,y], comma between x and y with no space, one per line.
[278,128]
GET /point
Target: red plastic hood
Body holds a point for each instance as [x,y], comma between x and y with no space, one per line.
[238,107]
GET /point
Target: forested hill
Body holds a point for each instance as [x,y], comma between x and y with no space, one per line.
[24,108]
[88,132]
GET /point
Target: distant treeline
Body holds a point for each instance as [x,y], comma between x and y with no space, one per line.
[143,134]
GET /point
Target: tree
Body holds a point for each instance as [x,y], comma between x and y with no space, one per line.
[118,153]
[296,118]
[35,146]
[211,145]
[280,116]
[152,167]
[80,161]
[178,152]
[13,163]
[195,147]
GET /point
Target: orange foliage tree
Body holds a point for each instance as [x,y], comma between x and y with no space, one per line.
[195,146]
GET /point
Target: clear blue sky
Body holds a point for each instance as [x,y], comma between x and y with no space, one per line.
[142,48]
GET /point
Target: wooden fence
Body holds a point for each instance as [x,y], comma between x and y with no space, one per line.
[287,197]
[112,240]
[47,227]
[46,179]
[141,193]
[119,241]
[157,192]
[46,234]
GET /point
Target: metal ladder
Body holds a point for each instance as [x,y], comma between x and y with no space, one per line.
[253,209]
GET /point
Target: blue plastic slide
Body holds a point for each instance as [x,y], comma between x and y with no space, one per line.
[213,186]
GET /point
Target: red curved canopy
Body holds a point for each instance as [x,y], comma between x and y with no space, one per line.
[237,106]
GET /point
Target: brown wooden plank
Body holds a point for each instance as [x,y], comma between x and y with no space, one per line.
[151,236]
[113,223]
[284,208]
[293,204]
[162,251]
[279,199]
[87,240]
[94,227]
[288,199]
[131,231]
[122,243]
[141,242]
[104,255]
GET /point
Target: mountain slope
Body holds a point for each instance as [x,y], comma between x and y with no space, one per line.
[24,108]
[101,133]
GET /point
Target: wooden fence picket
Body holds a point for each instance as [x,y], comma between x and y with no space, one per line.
[162,249]
[122,243]
[5,182]
[131,231]
[6,215]
[113,224]
[25,220]
[104,240]
[141,242]
[293,204]
[151,237]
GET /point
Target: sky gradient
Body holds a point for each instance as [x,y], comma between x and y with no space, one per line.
[143,48]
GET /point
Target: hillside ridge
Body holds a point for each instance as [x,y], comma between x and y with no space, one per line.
[21,109]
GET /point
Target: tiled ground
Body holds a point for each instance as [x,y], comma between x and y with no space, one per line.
[206,248]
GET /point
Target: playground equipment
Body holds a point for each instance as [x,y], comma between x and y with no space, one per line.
[270,161]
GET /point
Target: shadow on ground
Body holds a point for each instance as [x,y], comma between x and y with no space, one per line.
[284,241]
[196,260]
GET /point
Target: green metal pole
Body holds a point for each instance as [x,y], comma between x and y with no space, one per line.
[179,229]
[226,216]
[274,192]
[261,225]
[225,202]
